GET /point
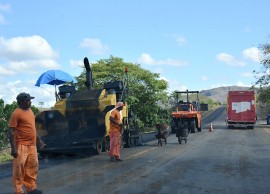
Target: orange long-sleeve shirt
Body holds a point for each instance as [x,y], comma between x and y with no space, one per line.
[23,121]
[117,117]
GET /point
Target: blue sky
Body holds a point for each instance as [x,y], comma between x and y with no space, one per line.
[194,45]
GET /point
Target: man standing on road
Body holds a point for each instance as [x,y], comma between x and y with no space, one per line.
[115,132]
[23,138]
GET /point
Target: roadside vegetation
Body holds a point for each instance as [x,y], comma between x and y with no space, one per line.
[5,113]
[263,79]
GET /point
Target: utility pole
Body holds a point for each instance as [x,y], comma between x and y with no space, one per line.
[41,104]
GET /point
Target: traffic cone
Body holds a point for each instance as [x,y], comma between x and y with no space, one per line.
[211,127]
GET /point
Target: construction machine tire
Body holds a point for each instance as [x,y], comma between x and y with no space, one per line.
[122,144]
[128,142]
[106,145]
[199,128]
[191,126]
[179,140]
[133,141]
[136,140]
[46,155]
[99,146]
[173,126]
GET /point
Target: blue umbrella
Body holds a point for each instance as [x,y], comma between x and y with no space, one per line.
[55,77]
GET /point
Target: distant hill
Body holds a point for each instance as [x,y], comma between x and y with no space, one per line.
[220,94]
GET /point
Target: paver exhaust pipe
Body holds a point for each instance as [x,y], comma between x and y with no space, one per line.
[89,78]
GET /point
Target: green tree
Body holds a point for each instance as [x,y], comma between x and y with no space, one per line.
[146,91]
[3,125]
[263,76]
[5,113]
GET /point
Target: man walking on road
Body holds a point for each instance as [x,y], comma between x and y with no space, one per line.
[23,138]
[115,132]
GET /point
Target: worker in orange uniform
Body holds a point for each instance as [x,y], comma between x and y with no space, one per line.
[23,139]
[115,132]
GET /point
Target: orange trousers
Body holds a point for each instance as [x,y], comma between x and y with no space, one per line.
[25,168]
[115,144]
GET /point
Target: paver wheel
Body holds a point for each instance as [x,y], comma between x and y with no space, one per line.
[106,145]
[99,146]
[191,126]
[179,140]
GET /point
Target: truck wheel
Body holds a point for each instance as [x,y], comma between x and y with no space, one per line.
[230,127]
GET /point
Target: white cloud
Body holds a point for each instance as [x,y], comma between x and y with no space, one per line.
[252,54]
[247,29]
[26,54]
[230,60]
[77,66]
[246,74]
[217,86]
[164,78]
[11,89]
[45,93]
[181,41]
[148,60]
[175,85]
[95,45]
[158,70]
[239,83]
[6,71]
[2,19]
[26,48]
[4,7]
[76,63]
[204,78]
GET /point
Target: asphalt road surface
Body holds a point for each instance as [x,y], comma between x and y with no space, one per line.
[230,161]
